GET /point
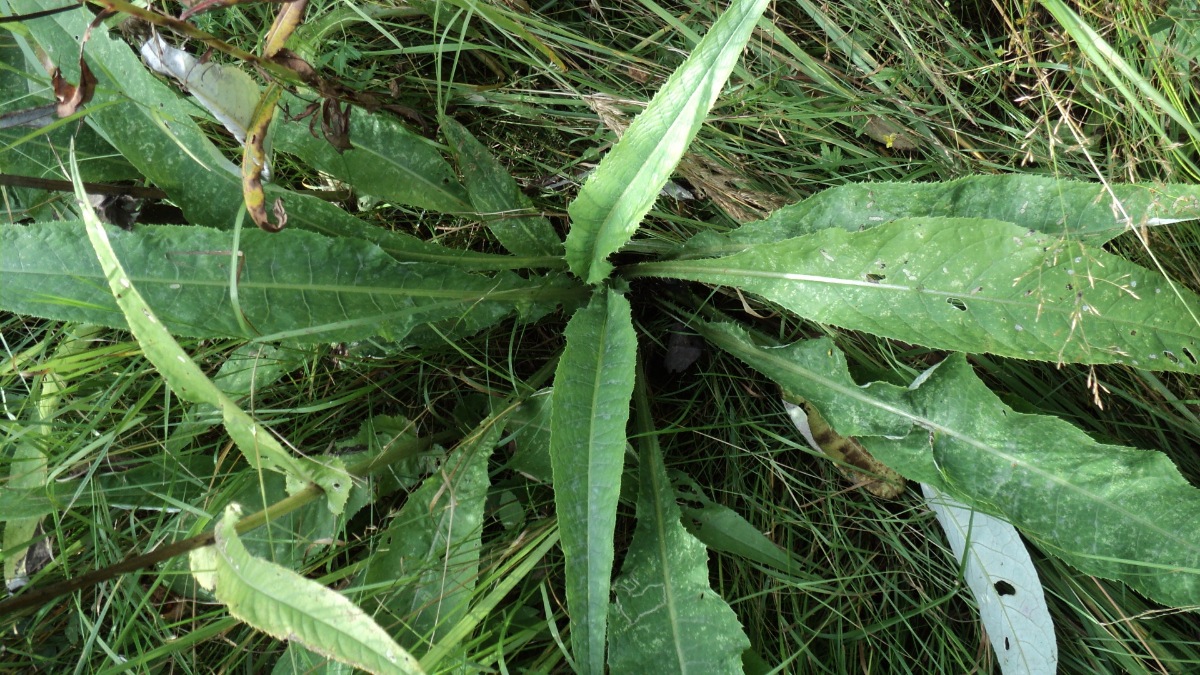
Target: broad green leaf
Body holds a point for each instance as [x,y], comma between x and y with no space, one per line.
[508,213]
[998,570]
[970,285]
[612,203]
[188,382]
[293,284]
[387,160]
[666,618]
[430,552]
[590,407]
[1113,512]
[152,126]
[817,371]
[1090,212]
[287,606]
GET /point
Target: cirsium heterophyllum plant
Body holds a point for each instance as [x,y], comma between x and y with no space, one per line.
[1003,265]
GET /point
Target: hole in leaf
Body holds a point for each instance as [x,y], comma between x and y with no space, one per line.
[1170,355]
[1190,356]
[1005,588]
[957,304]
[875,278]
[1132,333]
[1006,645]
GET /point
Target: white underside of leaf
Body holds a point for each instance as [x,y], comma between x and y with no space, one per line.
[1005,584]
[226,92]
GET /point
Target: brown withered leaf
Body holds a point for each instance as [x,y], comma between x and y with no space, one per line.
[70,96]
[254,160]
[303,69]
[335,124]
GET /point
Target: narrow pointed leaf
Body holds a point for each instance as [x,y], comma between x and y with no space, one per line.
[1113,512]
[187,381]
[624,186]
[508,213]
[1091,212]
[287,606]
[1001,576]
[292,284]
[592,386]
[970,285]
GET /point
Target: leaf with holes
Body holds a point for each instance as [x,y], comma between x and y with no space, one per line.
[969,285]
[1001,576]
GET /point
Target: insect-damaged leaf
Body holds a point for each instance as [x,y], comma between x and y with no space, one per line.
[970,285]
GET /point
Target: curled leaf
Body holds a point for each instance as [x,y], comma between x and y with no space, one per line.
[853,461]
[254,164]
[71,96]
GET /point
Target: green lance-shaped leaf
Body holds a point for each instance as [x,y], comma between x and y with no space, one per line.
[508,213]
[1114,512]
[431,548]
[666,617]
[386,160]
[970,285]
[590,407]
[151,125]
[188,382]
[624,186]
[293,284]
[1091,212]
[287,606]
